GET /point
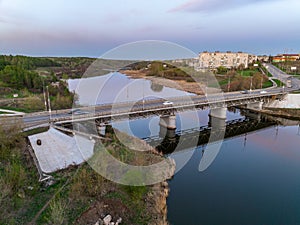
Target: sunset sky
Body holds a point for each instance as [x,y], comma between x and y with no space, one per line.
[92,27]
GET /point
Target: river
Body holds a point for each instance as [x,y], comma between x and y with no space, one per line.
[253,180]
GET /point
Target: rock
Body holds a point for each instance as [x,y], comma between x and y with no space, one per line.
[107,220]
[119,221]
[99,222]
[21,194]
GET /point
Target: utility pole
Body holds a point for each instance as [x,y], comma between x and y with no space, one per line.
[228,85]
[143,96]
[44,92]
[49,103]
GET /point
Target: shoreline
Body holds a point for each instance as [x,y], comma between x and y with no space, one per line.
[182,85]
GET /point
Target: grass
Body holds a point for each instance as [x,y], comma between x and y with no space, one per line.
[247,73]
[75,189]
[17,109]
[267,84]
[278,82]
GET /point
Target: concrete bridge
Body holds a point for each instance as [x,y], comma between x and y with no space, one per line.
[170,140]
[133,110]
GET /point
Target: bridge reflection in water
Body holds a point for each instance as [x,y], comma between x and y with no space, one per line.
[170,140]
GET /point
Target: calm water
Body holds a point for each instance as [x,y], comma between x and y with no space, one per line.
[117,87]
[255,178]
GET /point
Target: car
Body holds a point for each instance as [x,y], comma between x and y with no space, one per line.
[263,92]
[77,112]
[245,92]
[168,103]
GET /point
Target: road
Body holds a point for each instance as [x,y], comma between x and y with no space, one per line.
[282,76]
[148,105]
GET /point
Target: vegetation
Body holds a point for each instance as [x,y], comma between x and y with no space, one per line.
[18,76]
[241,79]
[278,82]
[287,67]
[79,194]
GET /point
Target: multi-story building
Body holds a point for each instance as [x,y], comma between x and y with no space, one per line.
[212,60]
[286,57]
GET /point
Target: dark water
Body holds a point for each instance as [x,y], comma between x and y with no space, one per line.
[255,179]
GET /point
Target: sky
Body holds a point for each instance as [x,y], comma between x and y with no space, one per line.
[92,27]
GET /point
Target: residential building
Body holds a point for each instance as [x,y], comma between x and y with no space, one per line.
[286,58]
[213,60]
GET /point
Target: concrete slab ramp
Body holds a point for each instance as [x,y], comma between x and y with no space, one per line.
[55,150]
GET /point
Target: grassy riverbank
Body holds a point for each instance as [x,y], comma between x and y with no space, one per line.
[78,195]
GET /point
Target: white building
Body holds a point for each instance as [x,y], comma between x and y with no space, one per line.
[213,60]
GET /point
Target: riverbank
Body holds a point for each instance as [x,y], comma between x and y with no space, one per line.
[78,194]
[183,85]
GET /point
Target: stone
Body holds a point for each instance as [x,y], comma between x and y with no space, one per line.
[107,220]
[99,222]
[119,221]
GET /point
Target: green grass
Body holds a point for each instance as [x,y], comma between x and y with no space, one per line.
[17,109]
[35,131]
[278,82]
[3,112]
[247,73]
[267,84]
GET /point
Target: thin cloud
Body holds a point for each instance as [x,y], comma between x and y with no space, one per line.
[214,5]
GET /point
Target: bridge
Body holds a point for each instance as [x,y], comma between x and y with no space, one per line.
[169,141]
[141,109]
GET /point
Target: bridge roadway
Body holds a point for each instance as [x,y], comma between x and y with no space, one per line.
[190,138]
[118,111]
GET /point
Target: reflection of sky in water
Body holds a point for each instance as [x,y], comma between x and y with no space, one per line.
[116,87]
[253,180]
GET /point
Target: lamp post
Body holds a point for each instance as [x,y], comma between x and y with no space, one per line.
[228,85]
[44,92]
[143,96]
[49,103]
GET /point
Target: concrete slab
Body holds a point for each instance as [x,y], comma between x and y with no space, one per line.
[58,151]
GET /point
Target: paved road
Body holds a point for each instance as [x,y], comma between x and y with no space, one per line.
[39,118]
[282,76]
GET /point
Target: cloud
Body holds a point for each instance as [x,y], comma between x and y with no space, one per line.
[214,5]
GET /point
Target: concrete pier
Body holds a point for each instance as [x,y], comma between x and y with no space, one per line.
[217,117]
[168,122]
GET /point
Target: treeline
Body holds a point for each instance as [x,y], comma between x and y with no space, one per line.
[18,78]
[25,62]
[18,75]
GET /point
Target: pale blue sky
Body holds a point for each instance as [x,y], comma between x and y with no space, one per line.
[91,27]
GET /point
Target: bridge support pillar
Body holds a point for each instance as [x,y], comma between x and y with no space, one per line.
[217,117]
[168,122]
[255,106]
[101,129]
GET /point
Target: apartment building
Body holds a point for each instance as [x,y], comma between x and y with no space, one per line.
[212,60]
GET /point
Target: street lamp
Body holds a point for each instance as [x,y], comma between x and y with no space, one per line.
[49,102]
[228,85]
[251,84]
